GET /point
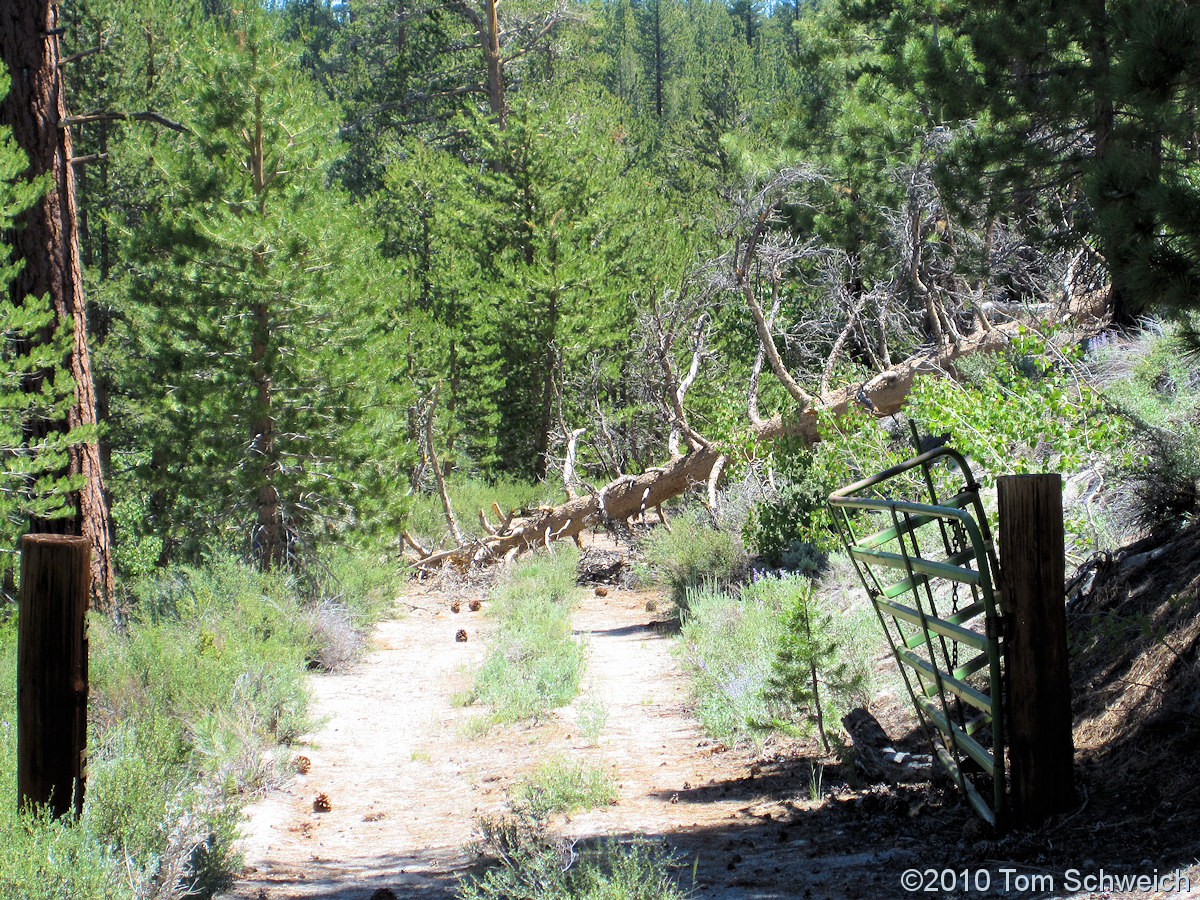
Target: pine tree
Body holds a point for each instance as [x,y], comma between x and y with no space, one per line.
[1086,105]
[808,677]
[31,483]
[47,242]
[261,319]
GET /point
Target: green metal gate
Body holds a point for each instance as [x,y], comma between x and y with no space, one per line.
[930,570]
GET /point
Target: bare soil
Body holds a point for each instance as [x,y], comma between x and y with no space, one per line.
[406,777]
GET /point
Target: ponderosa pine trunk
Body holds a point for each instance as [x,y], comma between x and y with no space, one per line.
[47,240]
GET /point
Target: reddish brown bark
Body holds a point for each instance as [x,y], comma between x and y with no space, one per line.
[47,240]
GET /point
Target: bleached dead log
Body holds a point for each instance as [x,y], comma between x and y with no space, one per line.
[629,496]
[624,498]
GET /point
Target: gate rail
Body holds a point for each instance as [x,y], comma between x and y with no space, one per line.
[915,561]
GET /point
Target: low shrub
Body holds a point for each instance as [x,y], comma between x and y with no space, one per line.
[726,645]
[531,866]
[591,717]
[692,554]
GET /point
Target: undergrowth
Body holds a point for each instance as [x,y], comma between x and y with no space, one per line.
[193,699]
[534,664]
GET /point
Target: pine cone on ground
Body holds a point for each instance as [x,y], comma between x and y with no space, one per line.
[302,764]
[461,636]
[322,804]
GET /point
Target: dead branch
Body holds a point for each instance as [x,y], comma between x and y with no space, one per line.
[109,116]
[422,552]
[569,465]
[756,370]
[447,508]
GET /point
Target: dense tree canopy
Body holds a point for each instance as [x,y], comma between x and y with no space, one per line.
[652,220]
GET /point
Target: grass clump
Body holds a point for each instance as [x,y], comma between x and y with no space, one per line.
[535,663]
[531,866]
[561,785]
[592,716]
[693,554]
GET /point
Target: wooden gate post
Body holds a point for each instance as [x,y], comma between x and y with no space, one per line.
[1032,567]
[52,671]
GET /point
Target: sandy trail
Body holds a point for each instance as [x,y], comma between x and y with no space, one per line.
[406,786]
[402,797]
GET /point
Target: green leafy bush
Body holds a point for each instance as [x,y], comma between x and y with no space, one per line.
[1025,409]
[791,527]
[692,554]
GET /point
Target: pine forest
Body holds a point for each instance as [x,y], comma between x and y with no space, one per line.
[305,301]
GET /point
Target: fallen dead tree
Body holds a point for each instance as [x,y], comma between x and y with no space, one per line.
[628,496]
[762,255]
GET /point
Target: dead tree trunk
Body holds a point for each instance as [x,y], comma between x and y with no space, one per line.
[47,241]
[630,496]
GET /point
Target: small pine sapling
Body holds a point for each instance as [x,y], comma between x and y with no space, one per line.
[808,677]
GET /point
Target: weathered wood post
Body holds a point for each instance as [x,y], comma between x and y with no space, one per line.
[52,671]
[1032,566]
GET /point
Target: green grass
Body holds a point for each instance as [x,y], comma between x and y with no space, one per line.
[561,785]
[530,866]
[534,663]
[188,700]
[591,716]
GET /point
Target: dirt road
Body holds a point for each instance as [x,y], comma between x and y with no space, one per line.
[406,775]
[405,781]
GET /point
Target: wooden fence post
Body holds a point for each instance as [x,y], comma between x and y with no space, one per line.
[52,671]
[1032,566]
